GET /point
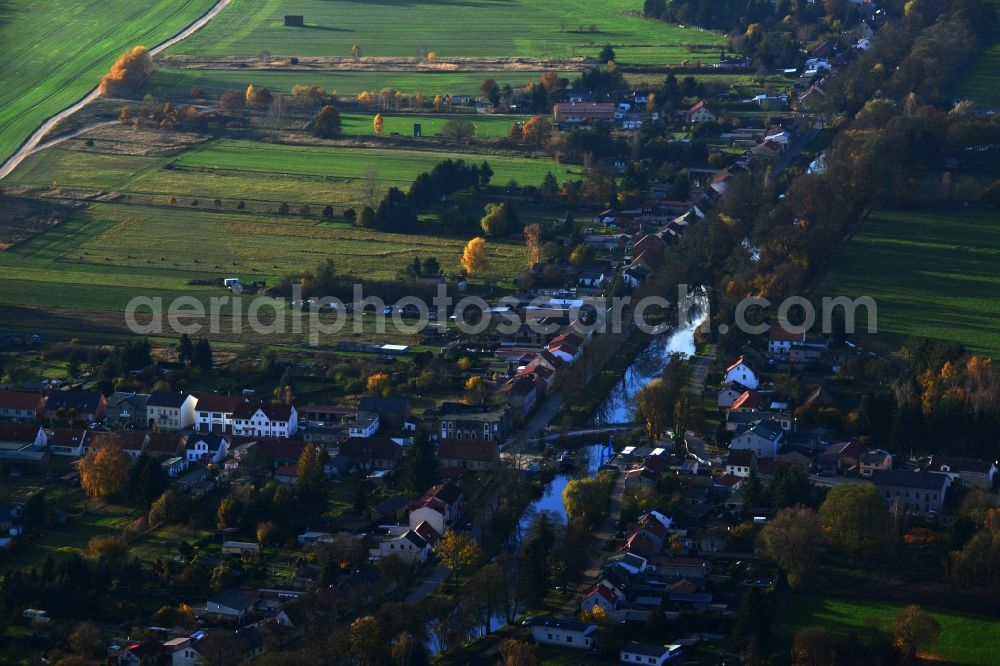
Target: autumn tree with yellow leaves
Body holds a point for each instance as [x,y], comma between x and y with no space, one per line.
[475,257]
[378,123]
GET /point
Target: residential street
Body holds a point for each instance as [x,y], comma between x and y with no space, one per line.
[428,586]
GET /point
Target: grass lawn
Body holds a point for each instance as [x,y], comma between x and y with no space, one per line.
[965,639]
[56,52]
[170,82]
[981,83]
[933,273]
[539,28]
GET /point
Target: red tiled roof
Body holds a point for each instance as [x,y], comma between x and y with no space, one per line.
[20,400]
[68,437]
[777,333]
[216,402]
[275,411]
[164,442]
[749,400]
[470,450]
[126,441]
[427,533]
[18,432]
[271,448]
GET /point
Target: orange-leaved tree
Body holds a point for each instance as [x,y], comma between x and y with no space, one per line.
[129,73]
[104,470]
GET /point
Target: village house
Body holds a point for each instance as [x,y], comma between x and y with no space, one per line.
[470,455]
[392,412]
[273,453]
[521,393]
[969,472]
[919,493]
[265,419]
[127,409]
[839,457]
[740,462]
[170,410]
[404,543]
[729,394]
[764,438]
[165,444]
[563,632]
[132,443]
[874,460]
[233,603]
[21,406]
[604,595]
[175,466]
[372,452]
[439,507]
[742,372]
[365,424]
[780,339]
[700,113]
[67,442]
[464,422]
[76,406]
[647,654]
[214,413]
[582,113]
[206,448]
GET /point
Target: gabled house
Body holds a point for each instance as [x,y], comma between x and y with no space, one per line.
[214,412]
[648,654]
[740,462]
[729,393]
[840,457]
[919,493]
[67,442]
[132,443]
[276,452]
[405,543]
[604,595]
[969,472]
[232,603]
[439,507]
[392,412]
[174,466]
[21,406]
[460,421]
[372,452]
[763,438]
[742,372]
[170,410]
[472,455]
[127,408]
[700,113]
[165,445]
[521,393]
[76,406]
[265,419]
[26,434]
[563,632]
[874,460]
[206,448]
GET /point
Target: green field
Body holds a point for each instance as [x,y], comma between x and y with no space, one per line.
[170,82]
[965,639]
[393,166]
[55,52]
[981,83]
[933,273]
[537,28]
[487,126]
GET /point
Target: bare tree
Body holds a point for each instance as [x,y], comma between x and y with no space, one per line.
[371,189]
[276,112]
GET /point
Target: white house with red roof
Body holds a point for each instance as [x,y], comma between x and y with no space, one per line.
[604,595]
[781,337]
[214,412]
[742,372]
[265,419]
[439,507]
[700,113]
